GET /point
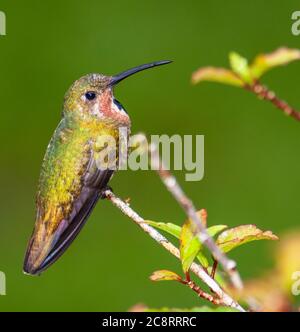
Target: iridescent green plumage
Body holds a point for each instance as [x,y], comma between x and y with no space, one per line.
[65,163]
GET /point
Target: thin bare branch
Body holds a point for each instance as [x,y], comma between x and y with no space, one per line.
[173,186]
[224,298]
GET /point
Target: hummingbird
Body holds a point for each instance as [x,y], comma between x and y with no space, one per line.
[71,181]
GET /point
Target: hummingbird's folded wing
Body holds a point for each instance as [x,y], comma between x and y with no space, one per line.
[44,248]
[83,207]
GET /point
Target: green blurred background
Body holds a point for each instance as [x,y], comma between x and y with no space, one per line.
[251,149]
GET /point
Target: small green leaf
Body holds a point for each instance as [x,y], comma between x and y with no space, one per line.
[189,245]
[175,230]
[167,227]
[219,75]
[240,66]
[163,275]
[202,259]
[213,230]
[239,235]
[264,62]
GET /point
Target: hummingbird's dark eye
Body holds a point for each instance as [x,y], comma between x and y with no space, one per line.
[90,95]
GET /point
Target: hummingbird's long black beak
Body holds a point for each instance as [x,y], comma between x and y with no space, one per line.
[120,77]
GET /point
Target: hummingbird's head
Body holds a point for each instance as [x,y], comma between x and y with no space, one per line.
[92,97]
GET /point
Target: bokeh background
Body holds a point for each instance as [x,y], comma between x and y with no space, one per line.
[251,149]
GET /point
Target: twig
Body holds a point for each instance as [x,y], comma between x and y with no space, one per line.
[264,93]
[225,299]
[214,269]
[172,185]
[200,292]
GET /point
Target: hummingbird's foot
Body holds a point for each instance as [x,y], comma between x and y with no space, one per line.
[102,192]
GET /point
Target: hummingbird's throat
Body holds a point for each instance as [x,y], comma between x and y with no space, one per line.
[112,109]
